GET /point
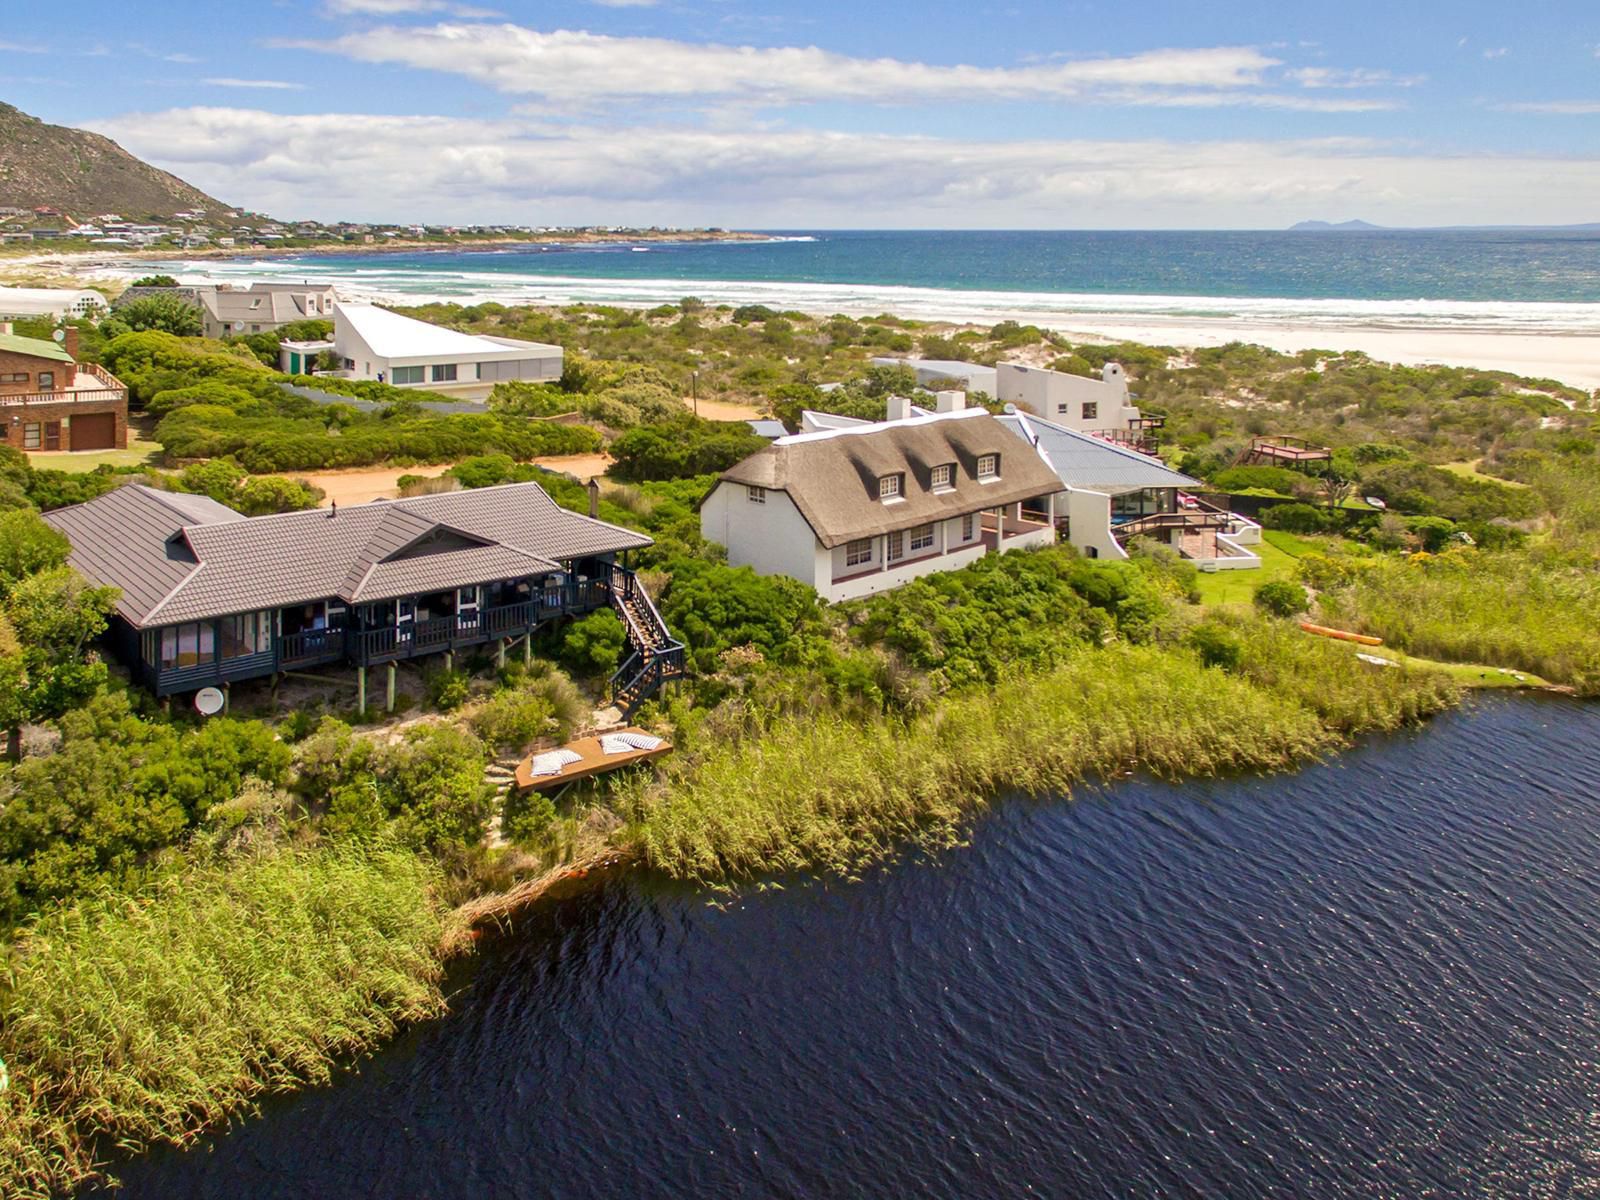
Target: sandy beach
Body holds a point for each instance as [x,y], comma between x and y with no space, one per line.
[1553,344]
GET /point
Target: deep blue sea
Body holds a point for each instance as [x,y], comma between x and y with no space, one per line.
[1468,280]
[1377,977]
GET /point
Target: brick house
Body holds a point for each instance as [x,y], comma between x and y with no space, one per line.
[49,401]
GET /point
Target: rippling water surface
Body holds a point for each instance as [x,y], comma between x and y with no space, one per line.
[1376,977]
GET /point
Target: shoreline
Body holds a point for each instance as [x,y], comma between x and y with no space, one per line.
[1540,341]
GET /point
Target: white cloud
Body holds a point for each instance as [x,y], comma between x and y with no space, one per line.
[396,8]
[1566,108]
[1497,52]
[20,48]
[625,3]
[444,168]
[277,85]
[179,58]
[576,69]
[1358,77]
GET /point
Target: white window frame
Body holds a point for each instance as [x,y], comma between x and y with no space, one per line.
[439,372]
[858,553]
[889,488]
[969,523]
[755,493]
[894,546]
[922,538]
[988,467]
[943,478]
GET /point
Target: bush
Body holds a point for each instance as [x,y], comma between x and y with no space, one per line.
[593,645]
[1217,645]
[1295,518]
[433,786]
[448,690]
[682,448]
[513,718]
[527,817]
[1281,598]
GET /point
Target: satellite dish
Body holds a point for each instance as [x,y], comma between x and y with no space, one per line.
[208,702]
[60,335]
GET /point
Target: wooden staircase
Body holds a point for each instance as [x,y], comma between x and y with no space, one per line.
[652,655]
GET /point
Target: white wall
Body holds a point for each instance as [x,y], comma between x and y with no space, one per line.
[1089,522]
[1059,397]
[882,581]
[772,537]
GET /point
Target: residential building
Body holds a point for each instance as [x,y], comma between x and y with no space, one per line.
[209,597]
[863,508]
[374,343]
[937,373]
[48,401]
[1102,406]
[1112,494]
[262,307]
[60,303]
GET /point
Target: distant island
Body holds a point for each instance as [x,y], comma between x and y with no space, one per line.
[1366,226]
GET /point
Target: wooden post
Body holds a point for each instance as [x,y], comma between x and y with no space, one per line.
[361,690]
[527,650]
[500,653]
[227,697]
[388,694]
[449,660]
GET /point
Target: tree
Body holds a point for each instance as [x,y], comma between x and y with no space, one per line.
[593,645]
[155,281]
[56,613]
[165,314]
[1336,489]
[27,546]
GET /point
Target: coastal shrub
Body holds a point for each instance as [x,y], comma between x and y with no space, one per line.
[164,314]
[129,1022]
[1217,645]
[447,690]
[714,607]
[593,644]
[1296,518]
[1281,598]
[512,719]
[27,546]
[432,785]
[680,448]
[1269,479]
[527,816]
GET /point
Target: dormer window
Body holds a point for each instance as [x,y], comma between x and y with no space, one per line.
[889,488]
[988,467]
[944,477]
[756,495]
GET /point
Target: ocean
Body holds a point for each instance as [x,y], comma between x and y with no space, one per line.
[1453,280]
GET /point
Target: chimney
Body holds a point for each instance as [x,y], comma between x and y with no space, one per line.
[899,408]
[70,345]
[594,497]
[948,402]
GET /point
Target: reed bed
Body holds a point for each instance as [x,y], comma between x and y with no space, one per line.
[830,794]
[133,1021]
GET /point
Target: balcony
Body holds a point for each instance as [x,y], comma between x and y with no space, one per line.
[93,385]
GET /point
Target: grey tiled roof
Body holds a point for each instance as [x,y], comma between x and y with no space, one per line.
[173,568]
[832,476]
[1092,463]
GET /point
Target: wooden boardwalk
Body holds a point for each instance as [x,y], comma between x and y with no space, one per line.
[592,760]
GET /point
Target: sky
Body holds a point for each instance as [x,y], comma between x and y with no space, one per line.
[812,114]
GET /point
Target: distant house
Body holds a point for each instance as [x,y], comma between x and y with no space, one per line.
[209,597]
[374,343]
[1101,405]
[48,401]
[262,307]
[50,302]
[861,509]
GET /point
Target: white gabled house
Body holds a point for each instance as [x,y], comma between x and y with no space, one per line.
[865,507]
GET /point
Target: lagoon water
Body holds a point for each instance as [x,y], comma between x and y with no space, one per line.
[1379,976]
[1471,280]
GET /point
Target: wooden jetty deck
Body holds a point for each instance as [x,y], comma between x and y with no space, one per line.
[592,760]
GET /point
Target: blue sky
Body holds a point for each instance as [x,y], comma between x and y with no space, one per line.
[1027,114]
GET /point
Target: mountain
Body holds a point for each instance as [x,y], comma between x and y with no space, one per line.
[82,173]
[1330,227]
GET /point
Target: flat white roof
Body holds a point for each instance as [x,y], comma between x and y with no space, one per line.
[392,336]
[920,417]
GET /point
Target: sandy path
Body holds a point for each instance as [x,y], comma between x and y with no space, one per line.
[366,484]
[726,410]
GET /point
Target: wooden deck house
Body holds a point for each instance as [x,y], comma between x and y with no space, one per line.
[210,597]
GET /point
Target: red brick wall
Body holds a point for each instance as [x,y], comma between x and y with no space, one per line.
[12,363]
[14,417]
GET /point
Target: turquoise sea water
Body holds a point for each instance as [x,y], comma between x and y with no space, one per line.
[1543,281]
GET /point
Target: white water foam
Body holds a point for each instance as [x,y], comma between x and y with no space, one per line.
[412,285]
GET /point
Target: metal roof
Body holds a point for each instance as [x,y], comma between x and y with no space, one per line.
[390,335]
[1087,462]
[185,558]
[13,343]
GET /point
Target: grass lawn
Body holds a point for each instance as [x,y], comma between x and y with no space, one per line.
[1278,552]
[138,454]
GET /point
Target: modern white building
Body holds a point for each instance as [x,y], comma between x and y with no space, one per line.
[50,302]
[374,343]
[1101,405]
[861,509]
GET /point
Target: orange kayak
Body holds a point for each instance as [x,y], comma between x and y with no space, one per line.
[1344,635]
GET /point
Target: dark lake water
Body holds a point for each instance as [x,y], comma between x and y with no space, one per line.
[1376,977]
